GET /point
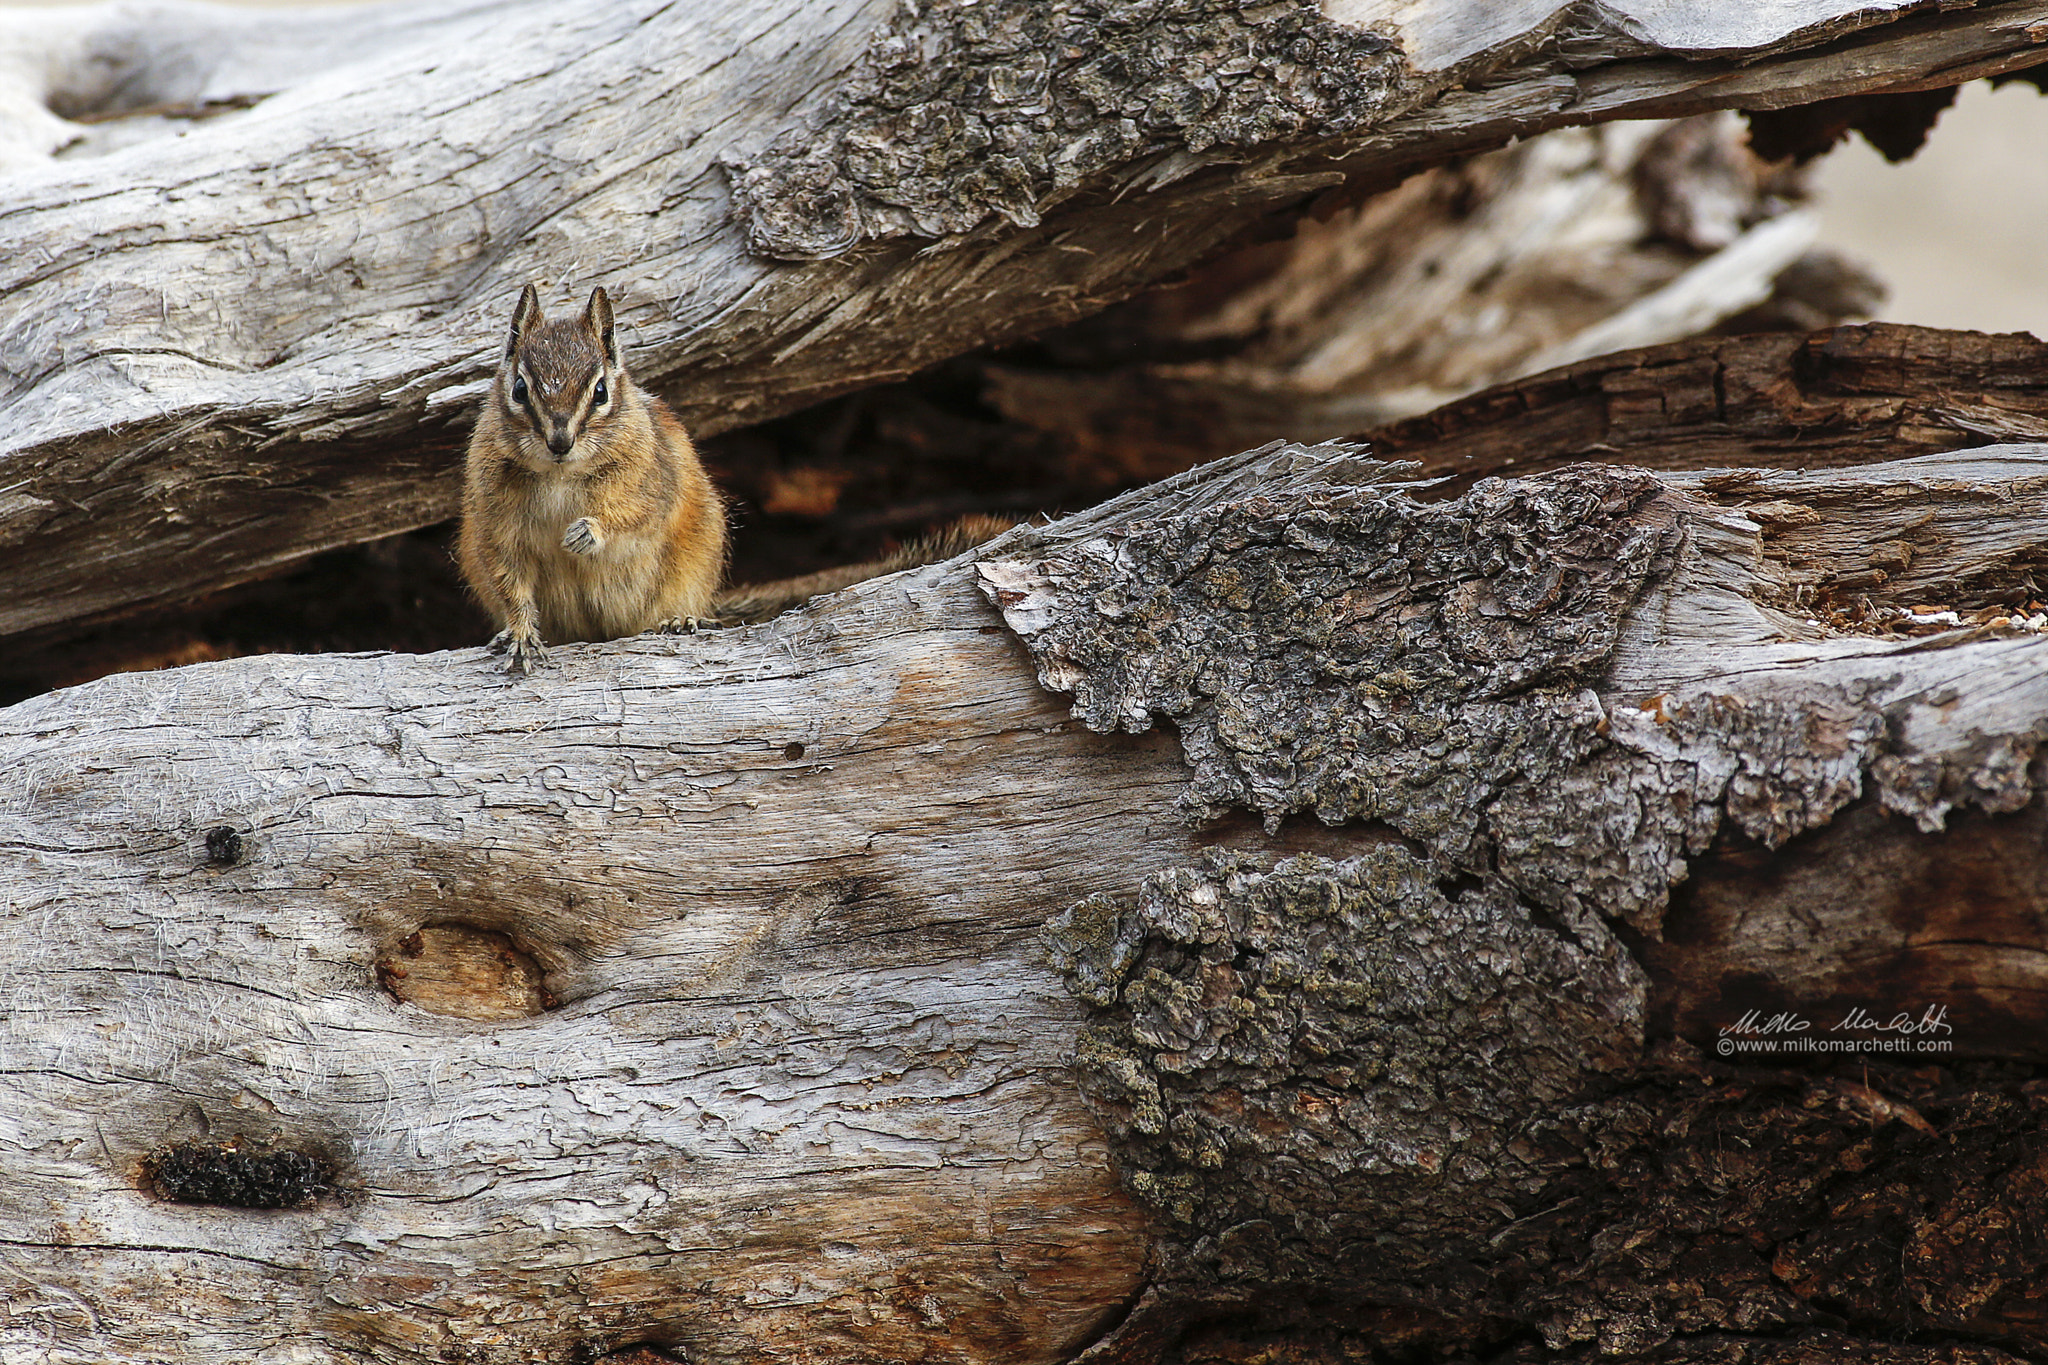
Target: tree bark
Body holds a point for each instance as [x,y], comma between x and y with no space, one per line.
[726,995]
[244,321]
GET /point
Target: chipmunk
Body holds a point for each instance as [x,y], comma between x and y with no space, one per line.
[585,512]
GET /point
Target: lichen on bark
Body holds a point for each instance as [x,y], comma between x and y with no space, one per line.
[966,110]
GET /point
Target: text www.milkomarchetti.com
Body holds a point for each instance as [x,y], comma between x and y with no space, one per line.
[1858,1030]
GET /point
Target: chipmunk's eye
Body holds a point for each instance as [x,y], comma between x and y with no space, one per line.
[599,396]
[519,390]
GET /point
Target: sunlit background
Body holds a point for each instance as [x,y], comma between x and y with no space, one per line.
[1957,231]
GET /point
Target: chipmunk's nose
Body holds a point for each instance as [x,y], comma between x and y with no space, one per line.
[559,441]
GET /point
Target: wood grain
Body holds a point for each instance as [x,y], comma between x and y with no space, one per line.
[1841,396]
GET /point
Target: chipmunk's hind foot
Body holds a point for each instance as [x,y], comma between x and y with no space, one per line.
[526,652]
[686,625]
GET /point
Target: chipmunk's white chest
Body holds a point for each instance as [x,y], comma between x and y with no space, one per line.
[597,596]
[552,505]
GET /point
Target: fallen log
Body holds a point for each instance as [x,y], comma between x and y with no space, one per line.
[1846,395]
[249,286]
[726,996]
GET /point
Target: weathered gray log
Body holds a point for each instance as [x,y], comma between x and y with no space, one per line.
[254,335]
[728,994]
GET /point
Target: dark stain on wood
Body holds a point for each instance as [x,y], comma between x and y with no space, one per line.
[232,1175]
[1866,913]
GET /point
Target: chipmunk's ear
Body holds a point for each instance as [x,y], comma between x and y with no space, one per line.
[525,318]
[599,316]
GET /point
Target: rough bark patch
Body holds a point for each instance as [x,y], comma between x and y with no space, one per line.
[1294,1061]
[1314,1072]
[1358,654]
[1449,670]
[961,112]
[1316,653]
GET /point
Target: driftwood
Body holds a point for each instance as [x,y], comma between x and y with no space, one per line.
[726,995]
[255,264]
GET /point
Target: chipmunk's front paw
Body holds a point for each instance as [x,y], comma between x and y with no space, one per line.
[686,625]
[524,653]
[582,537]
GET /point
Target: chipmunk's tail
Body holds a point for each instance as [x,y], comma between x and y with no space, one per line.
[749,602]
